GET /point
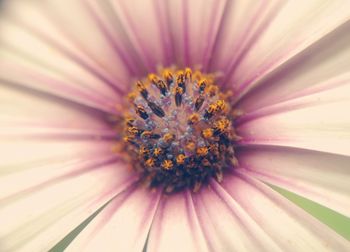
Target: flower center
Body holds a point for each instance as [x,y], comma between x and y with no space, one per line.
[178,130]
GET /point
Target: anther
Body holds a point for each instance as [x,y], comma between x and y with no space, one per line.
[142,89]
[132,130]
[168,137]
[168,76]
[181,80]
[188,74]
[156,109]
[162,87]
[140,111]
[202,84]
[178,96]
[199,102]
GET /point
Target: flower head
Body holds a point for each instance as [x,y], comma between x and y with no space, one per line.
[160,125]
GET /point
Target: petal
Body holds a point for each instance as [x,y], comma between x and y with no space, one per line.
[242,24]
[295,27]
[226,225]
[325,63]
[316,122]
[289,226]
[50,52]
[121,226]
[53,159]
[38,217]
[23,111]
[321,177]
[176,227]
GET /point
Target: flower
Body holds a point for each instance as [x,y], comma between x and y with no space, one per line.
[66,65]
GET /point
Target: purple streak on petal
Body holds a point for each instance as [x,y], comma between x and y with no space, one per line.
[60,89]
[129,62]
[295,52]
[215,33]
[185,23]
[250,227]
[149,61]
[118,202]
[249,40]
[193,218]
[292,67]
[69,54]
[161,10]
[24,131]
[93,164]
[195,221]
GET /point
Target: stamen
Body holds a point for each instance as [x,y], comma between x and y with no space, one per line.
[180,132]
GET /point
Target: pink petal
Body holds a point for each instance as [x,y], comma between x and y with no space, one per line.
[316,122]
[121,226]
[288,226]
[242,24]
[226,225]
[326,62]
[54,155]
[51,49]
[318,176]
[43,211]
[176,227]
[295,27]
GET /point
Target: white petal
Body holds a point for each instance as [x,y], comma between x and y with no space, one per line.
[242,24]
[121,226]
[321,177]
[317,122]
[35,219]
[296,27]
[176,227]
[56,168]
[324,63]
[53,52]
[226,225]
[287,225]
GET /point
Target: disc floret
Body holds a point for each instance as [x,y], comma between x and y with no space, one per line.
[179,130]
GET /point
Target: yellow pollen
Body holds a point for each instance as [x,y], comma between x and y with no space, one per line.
[146,133]
[188,74]
[167,74]
[153,78]
[202,84]
[194,118]
[207,133]
[202,151]
[212,90]
[150,162]
[212,108]
[157,151]
[144,151]
[222,124]
[180,159]
[168,137]
[190,146]
[167,164]
[132,96]
[133,130]
[221,105]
